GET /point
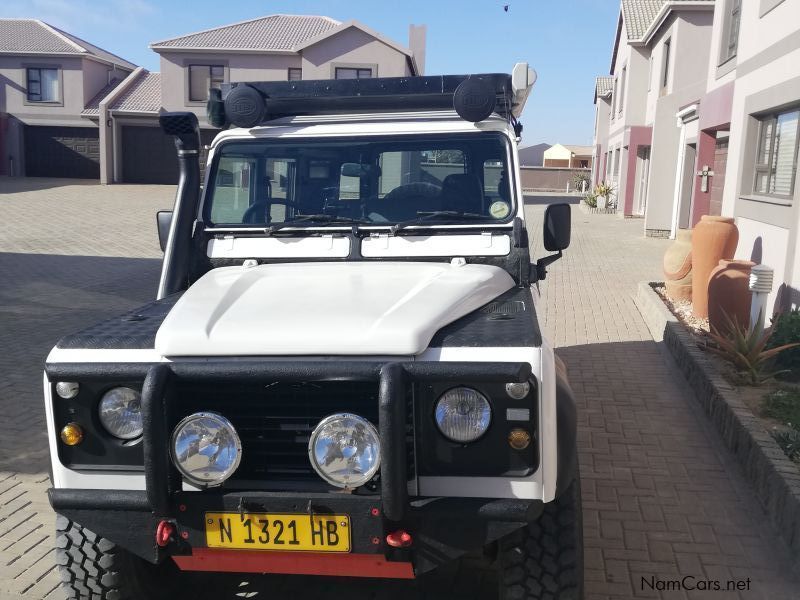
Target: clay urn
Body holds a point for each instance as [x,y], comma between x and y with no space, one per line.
[714,239]
[729,294]
[678,266]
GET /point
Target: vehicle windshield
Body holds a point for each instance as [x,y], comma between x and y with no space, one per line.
[378,181]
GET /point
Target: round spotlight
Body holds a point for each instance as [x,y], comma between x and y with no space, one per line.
[463,414]
[206,449]
[67,389]
[345,450]
[120,412]
[518,391]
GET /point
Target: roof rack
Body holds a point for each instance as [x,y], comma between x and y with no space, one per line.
[474,97]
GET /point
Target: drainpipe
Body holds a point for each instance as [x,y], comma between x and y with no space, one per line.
[175,268]
[761,277]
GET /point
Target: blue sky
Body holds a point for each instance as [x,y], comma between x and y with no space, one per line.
[568,42]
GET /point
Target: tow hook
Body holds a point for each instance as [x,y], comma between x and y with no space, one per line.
[165,533]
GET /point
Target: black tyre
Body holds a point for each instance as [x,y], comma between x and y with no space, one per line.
[544,561]
[93,568]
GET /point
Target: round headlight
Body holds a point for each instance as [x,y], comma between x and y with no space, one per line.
[463,414]
[120,412]
[518,391]
[345,450]
[206,449]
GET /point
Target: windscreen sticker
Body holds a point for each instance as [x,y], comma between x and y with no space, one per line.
[499,209]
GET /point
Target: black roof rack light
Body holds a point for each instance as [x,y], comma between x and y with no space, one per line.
[474,97]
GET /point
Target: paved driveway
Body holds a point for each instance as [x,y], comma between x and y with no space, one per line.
[662,499]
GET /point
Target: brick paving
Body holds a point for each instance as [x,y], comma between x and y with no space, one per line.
[661,496]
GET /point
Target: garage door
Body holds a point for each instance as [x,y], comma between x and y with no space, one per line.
[62,152]
[149,156]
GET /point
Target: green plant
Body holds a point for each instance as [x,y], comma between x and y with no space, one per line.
[786,330]
[590,200]
[783,405]
[789,441]
[581,181]
[746,350]
[603,189]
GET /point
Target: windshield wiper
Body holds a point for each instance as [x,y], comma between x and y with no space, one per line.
[312,219]
[453,215]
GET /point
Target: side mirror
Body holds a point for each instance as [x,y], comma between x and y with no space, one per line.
[164,222]
[557,227]
[557,232]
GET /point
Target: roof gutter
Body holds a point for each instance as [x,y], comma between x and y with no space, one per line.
[217,50]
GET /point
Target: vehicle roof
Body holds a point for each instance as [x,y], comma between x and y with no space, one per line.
[366,124]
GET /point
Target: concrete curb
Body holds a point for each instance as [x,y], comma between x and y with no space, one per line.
[775,478]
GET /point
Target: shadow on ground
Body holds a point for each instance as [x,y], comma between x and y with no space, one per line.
[43,298]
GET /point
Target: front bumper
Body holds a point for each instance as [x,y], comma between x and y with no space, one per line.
[442,528]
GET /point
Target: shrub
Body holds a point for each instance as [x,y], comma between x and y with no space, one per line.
[786,330]
[590,200]
[789,441]
[746,350]
[580,179]
[783,405]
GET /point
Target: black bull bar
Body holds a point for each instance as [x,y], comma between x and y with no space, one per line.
[161,480]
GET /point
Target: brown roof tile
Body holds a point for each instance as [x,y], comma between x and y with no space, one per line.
[32,36]
[142,96]
[273,32]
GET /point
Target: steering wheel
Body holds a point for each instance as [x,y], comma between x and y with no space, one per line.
[251,214]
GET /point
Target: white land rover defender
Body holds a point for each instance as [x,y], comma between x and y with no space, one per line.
[342,373]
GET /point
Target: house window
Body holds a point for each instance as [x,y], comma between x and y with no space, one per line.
[613,98]
[776,159]
[730,36]
[42,85]
[616,162]
[665,65]
[295,74]
[352,73]
[622,88]
[650,73]
[202,78]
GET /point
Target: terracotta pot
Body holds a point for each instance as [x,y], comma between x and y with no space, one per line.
[729,294]
[714,239]
[678,266]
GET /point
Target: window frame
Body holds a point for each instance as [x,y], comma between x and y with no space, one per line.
[357,69]
[513,182]
[297,70]
[59,101]
[209,65]
[767,168]
[731,16]
[623,80]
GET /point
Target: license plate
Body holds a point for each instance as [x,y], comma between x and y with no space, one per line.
[284,532]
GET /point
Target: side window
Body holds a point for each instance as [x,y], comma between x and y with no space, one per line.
[436,165]
[349,187]
[233,189]
[495,181]
[281,173]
